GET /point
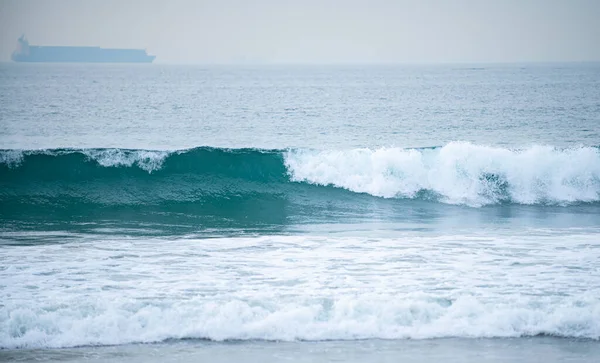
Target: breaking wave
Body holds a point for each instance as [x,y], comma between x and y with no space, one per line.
[80,323]
[457,173]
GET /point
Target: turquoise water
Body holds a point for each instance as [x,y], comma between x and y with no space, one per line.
[213,209]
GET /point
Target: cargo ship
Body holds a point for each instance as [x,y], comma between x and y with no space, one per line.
[67,54]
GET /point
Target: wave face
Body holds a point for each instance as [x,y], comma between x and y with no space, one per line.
[268,185]
[124,184]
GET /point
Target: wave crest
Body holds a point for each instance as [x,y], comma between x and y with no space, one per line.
[458,173]
[144,159]
[343,318]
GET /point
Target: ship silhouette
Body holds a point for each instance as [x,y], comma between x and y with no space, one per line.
[68,54]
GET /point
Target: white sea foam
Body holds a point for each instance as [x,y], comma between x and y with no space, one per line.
[144,159]
[120,321]
[147,160]
[459,173]
[12,158]
[97,292]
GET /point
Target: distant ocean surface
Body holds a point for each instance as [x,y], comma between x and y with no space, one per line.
[304,213]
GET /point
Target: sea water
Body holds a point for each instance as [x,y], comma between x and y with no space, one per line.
[306,213]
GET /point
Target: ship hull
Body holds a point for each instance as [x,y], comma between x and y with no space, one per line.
[70,60]
[149,59]
[45,54]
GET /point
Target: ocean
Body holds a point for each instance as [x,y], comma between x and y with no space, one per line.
[415,213]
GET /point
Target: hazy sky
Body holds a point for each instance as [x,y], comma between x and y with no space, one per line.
[315,31]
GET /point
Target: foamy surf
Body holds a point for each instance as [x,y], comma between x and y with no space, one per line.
[114,321]
[296,288]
